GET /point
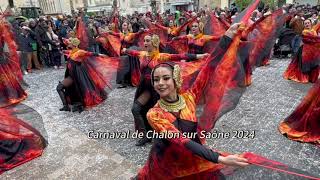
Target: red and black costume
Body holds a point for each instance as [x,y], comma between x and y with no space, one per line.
[112,44]
[147,62]
[11,91]
[182,157]
[90,75]
[198,44]
[128,64]
[19,142]
[304,66]
[303,124]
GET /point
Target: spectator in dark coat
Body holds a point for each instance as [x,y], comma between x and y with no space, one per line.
[28,48]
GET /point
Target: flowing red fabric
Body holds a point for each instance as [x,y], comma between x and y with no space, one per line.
[264,37]
[19,142]
[225,22]
[245,15]
[153,29]
[115,21]
[310,52]
[277,166]
[8,38]
[11,91]
[304,67]
[214,26]
[135,77]
[303,124]
[162,35]
[94,77]
[294,72]
[225,77]
[82,34]
[177,46]
[102,70]
[111,43]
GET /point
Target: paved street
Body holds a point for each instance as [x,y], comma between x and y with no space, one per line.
[72,155]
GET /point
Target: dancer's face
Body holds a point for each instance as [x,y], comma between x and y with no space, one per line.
[110,26]
[124,26]
[195,28]
[164,84]
[148,43]
[171,23]
[307,24]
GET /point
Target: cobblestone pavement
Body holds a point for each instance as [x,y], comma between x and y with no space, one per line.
[72,155]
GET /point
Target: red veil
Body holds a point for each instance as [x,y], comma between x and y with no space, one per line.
[11,91]
[82,33]
[94,78]
[224,76]
[19,142]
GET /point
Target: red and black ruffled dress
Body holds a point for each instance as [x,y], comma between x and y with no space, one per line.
[183,156]
[11,91]
[91,75]
[304,122]
[304,67]
[147,62]
[19,142]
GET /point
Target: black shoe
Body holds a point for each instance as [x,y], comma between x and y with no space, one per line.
[143,141]
[78,108]
[65,108]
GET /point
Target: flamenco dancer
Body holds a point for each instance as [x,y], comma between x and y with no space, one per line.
[303,124]
[19,142]
[86,77]
[145,96]
[304,65]
[112,44]
[171,31]
[128,64]
[196,41]
[11,91]
[181,157]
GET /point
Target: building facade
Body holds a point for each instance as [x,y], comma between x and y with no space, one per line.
[18,3]
[215,3]
[142,6]
[180,5]
[226,3]
[102,6]
[77,4]
[56,6]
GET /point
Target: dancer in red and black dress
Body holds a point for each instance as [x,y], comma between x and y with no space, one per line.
[145,96]
[195,43]
[183,157]
[304,66]
[11,91]
[86,78]
[19,142]
[303,124]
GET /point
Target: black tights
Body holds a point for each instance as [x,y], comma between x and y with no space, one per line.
[137,108]
[61,89]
